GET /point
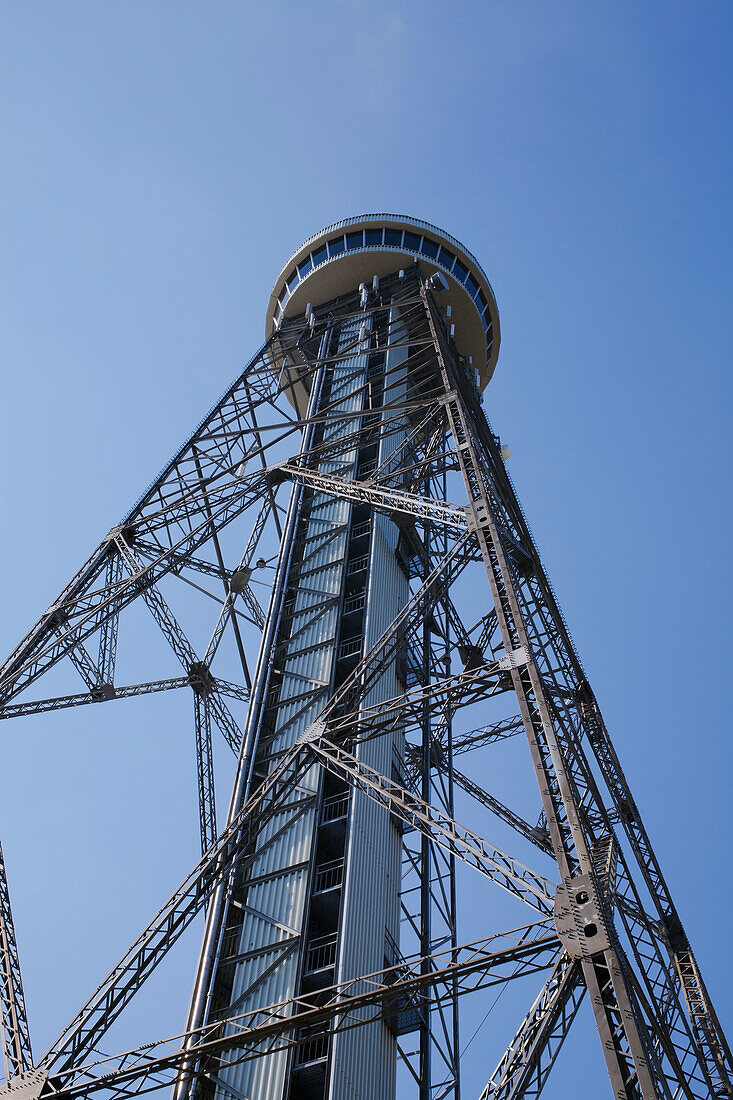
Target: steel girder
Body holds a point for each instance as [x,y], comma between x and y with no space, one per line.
[531,1055]
[527,885]
[16,1039]
[278,799]
[535,634]
[497,959]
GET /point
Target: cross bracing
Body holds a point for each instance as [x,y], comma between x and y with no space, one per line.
[355,423]
[476,965]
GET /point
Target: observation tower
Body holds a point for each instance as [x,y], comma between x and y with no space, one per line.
[383,631]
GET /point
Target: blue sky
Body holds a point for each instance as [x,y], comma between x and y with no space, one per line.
[160,163]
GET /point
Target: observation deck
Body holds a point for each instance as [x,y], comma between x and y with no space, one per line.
[336,260]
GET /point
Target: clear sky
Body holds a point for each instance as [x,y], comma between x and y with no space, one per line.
[160,162]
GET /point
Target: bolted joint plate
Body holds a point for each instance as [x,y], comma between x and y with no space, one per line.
[200,678]
[579,920]
[313,732]
[275,475]
[102,692]
[477,515]
[26,1086]
[516,659]
[240,579]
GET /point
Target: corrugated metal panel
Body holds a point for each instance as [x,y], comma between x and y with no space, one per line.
[276,906]
[363,1065]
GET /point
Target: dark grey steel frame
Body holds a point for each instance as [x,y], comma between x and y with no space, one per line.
[610,926]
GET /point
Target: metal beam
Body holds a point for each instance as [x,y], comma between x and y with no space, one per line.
[16,1039]
[533,889]
[278,796]
[391,501]
[289,1023]
[526,1064]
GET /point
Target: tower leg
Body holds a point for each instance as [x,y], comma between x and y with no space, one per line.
[617,1017]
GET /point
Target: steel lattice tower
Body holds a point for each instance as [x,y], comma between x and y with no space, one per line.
[409,626]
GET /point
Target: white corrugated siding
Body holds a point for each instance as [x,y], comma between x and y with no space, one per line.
[363,1060]
[281,898]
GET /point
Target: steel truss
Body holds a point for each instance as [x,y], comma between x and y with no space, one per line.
[289,1024]
[246,488]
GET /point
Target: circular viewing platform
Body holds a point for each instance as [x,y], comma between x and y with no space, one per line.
[340,257]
